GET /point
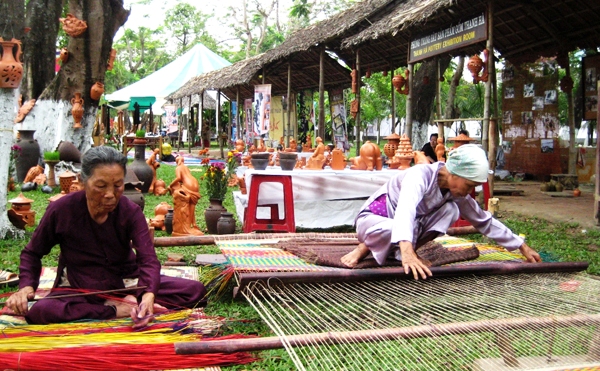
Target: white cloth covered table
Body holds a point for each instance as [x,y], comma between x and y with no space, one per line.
[322,198]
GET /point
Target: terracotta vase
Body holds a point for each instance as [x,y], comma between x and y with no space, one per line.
[169,221]
[142,170]
[97,90]
[64,55]
[11,68]
[475,65]
[212,214]
[398,82]
[77,110]
[226,224]
[392,145]
[30,153]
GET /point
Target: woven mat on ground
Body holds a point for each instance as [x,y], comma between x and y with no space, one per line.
[257,256]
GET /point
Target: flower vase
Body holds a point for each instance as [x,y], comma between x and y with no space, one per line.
[30,153]
[142,170]
[212,214]
[11,68]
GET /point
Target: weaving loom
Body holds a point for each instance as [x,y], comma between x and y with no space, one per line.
[331,318]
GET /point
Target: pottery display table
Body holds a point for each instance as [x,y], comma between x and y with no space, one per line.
[152,142]
[322,198]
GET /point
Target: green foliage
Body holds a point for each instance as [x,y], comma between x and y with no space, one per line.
[188,27]
[51,155]
[141,133]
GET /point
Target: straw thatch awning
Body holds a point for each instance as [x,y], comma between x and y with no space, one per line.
[523,30]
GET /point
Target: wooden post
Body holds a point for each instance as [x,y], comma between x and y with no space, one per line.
[289,107]
[190,122]
[438,98]
[409,102]
[230,121]
[201,117]
[488,85]
[571,122]
[321,128]
[393,91]
[357,119]
[597,187]
[238,132]
[179,125]
[218,118]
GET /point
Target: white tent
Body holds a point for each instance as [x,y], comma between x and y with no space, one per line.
[171,77]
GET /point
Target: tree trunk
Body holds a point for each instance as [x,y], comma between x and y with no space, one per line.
[39,46]
[11,26]
[450,110]
[88,54]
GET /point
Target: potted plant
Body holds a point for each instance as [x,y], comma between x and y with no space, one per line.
[216,179]
[140,137]
[51,158]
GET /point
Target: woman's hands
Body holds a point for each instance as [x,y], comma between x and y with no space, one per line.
[410,261]
[144,312]
[18,302]
[530,254]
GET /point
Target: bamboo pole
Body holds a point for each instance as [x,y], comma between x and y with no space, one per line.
[321,128]
[363,336]
[201,118]
[438,98]
[488,85]
[409,103]
[238,132]
[348,275]
[393,91]
[572,169]
[357,97]
[289,107]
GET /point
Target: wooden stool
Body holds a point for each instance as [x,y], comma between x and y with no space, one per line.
[274,224]
[486,196]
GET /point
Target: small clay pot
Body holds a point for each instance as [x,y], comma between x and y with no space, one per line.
[287,160]
[576,192]
[559,187]
[260,161]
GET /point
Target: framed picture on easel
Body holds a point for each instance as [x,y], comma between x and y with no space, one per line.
[590,69]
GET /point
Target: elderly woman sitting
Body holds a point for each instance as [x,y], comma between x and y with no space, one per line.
[420,203]
[104,245]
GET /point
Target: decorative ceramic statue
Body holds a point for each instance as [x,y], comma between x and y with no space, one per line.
[369,159]
[307,147]
[32,173]
[185,191]
[317,160]
[293,146]
[151,161]
[440,150]
[261,146]
[240,146]
[338,162]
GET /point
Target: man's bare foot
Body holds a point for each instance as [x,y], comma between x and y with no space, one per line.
[123,306]
[352,258]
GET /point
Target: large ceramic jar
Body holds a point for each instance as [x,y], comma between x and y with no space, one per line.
[212,214]
[226,224]
[142,170]
[30,153]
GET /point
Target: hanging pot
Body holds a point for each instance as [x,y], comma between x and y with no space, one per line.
[30,153]
[77,110]
[226,224]
[11,68]
[212,214]
[97,90]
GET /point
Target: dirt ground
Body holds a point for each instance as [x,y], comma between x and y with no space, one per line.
[555,209]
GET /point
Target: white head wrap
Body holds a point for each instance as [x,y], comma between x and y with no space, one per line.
[470,162]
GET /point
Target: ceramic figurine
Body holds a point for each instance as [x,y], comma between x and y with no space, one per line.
[317,160]
[185,191]
[369,159]
[440,150]
[24,110]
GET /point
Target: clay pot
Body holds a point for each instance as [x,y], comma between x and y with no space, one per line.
[72,26]
[226,224]
[64,55]
[65,179]
[475,65]
[287,160]
[169,222]
[97,90]
[11,68]
[134,195]
[392,145]
[398,81]
[576,192]
[212,214]
[68,152]
[77,110]
[30,153]
[559,187]
[260,161]
[142,170]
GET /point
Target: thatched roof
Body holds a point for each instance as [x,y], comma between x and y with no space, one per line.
[301,49]
[521,28]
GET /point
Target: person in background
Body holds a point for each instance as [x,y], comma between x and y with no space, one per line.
[429,148]
[105,244]
[419,204]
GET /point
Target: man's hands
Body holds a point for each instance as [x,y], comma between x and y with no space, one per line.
[410,261]
[18,302]
[530,254]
